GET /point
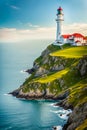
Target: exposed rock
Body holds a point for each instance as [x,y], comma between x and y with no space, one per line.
[77,117]
[46,60]
[61,82]
[45,52]
[62,96]
[30,71]
[15,92]
[36,65]
[82,66]
[48,93]
[57,67]
[41,71]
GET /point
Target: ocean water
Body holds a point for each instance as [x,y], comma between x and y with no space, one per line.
[20,114]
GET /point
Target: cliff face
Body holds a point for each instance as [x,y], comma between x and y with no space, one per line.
[59,77]
[77,118]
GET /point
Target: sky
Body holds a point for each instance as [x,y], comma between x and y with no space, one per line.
[35,19]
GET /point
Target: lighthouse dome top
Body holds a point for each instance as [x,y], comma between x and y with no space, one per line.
[60,9]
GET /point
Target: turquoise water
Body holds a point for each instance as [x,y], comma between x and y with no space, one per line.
[18,114]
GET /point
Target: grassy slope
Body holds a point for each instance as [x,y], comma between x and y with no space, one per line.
[51,77]
[73,81]
[76,85]
[78,93]
[83,126]
[73,52]
[70,75]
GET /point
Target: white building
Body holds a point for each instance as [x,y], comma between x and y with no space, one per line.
[59,21]
[76,39]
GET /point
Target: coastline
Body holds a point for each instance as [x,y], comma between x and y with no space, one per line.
[50,80]
[64,114]
[73,119]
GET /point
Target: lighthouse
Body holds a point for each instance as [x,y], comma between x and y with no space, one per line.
[75,39]
[59,21]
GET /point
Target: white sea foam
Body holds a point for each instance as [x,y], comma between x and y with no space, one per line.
[64,114]
[53,105]
[62,111]
[23,71]
[54,111]
[6,94]
[58,127]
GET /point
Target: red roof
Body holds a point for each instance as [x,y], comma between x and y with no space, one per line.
[66,36]
[59,8]
[75,35]
[78,35]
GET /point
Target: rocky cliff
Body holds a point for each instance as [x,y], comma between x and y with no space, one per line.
[60,76]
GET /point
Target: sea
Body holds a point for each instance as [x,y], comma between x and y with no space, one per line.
[21,114]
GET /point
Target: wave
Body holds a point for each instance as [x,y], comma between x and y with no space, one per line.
[57,127]
[6,94]
[53,105]
[62,113]
[63,116]
[10,127]
[23,71]
[54,111]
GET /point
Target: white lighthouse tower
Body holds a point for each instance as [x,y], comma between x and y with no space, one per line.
[59,21]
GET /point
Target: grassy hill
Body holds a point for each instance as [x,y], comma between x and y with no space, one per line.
[73,52]
[46,73]
[51,77]
[59,70]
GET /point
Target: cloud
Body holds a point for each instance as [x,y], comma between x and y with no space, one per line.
[31,25]
[27,25]
[17,35]
[75,27]
[14,7]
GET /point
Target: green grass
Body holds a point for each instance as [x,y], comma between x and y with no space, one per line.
[83,126]
[72,52]
[53,48]
[78,93]
[52,77]
[67,45]
[38,59]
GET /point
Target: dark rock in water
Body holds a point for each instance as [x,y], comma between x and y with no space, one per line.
[68,114]
[60,114]
[30,71]
[15,92]
[54,128]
